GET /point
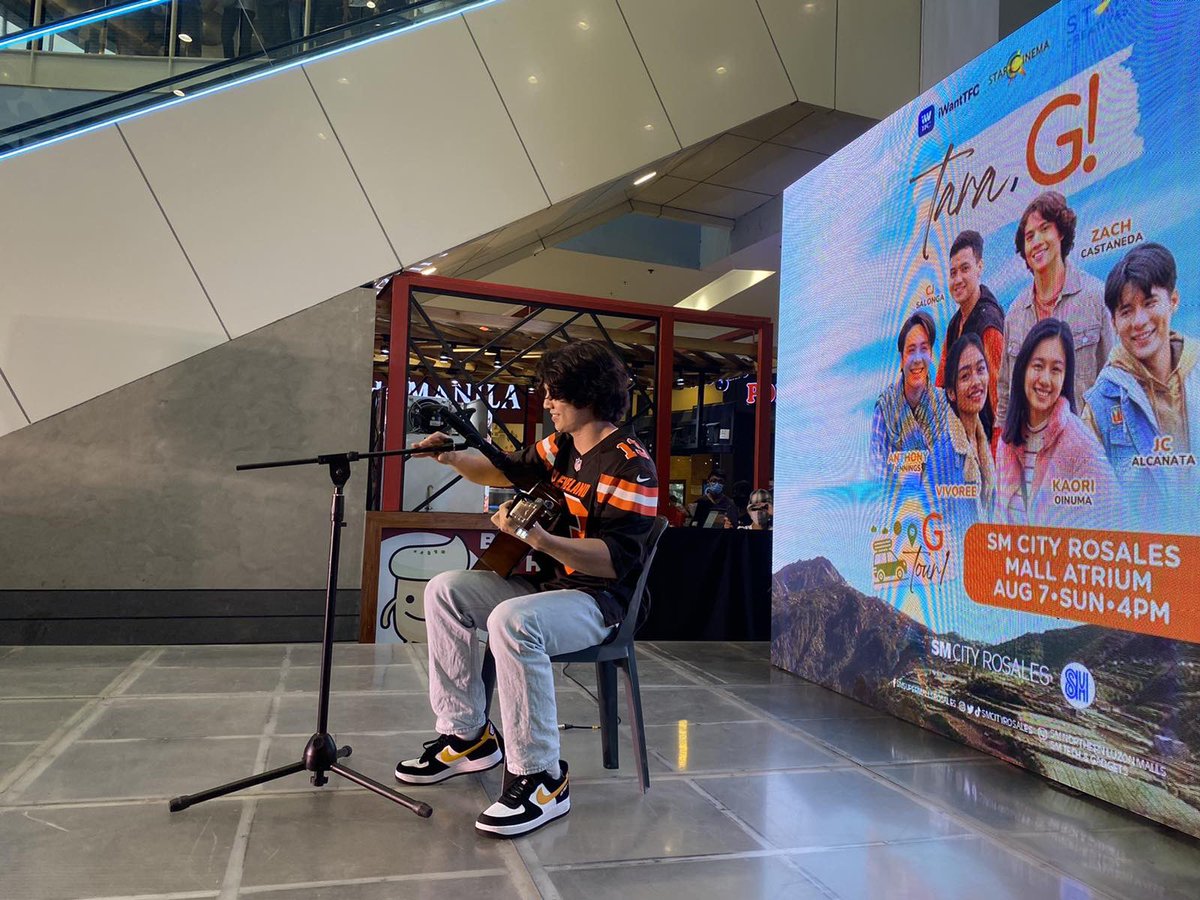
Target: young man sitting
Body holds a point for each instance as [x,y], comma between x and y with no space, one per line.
[588,567]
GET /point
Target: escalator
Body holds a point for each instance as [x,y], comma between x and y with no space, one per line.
[70,65]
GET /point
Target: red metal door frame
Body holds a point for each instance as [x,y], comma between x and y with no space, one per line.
[403,286]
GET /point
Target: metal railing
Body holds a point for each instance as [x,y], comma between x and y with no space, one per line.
[68,66]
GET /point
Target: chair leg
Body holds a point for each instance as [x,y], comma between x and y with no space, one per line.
[488,674]
[606,693]
[633,696]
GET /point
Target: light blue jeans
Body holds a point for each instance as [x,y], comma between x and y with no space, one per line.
[524,630]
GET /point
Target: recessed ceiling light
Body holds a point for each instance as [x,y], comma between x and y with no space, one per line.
[185,38]
[370,4]
[721,70]
[644,178]
[322,135]
[584,26]
[533,79]
[343,80]
[649,126]
[177,92]
[429,270]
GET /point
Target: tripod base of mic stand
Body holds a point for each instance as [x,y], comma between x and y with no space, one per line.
[321,755]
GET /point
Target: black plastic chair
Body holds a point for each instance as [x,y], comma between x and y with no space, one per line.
[609,657]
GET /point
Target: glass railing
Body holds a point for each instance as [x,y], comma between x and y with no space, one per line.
[71,65]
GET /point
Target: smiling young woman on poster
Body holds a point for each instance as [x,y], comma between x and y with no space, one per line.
[1050,469]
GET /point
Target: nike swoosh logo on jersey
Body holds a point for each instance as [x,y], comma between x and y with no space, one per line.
[641,480]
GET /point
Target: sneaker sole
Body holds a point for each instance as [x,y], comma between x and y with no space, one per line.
[507,831]
[465,768]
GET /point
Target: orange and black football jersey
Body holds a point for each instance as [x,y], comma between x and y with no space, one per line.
[610,493]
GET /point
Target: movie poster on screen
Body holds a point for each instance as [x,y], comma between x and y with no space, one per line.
[988,514]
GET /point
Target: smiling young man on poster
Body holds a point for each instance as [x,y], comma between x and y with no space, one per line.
[912,414]
[1044,239]
[978,313]
[1139,407]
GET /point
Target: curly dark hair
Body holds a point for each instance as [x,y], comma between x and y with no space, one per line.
[587,374]
[1051,206]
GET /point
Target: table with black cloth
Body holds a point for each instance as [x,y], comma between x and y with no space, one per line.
[710,584]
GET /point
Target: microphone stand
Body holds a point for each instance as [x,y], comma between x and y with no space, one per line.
[321,754]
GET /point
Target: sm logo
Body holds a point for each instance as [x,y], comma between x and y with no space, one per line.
[1077,684]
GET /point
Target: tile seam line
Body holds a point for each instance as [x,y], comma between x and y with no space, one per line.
[350,164]
[507,112]
[16,399]
[171,225]
[987,833]
[764,853]
[649,76]
[235,865]
[34,765]
[447,875]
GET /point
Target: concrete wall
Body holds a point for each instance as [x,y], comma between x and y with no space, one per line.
[129,506]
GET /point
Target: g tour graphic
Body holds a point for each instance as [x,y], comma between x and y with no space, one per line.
[989,396]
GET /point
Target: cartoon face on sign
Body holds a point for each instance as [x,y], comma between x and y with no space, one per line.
[409,561]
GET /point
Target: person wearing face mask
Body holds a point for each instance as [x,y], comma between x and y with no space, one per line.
[1050,469]
[1139,407]
[913,415]
[761,511]
[715,507]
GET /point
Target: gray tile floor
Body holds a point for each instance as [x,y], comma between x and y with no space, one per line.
[763,785]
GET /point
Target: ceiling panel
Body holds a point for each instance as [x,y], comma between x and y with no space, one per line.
[713,157]
[580,97]
[259,160]
[766,127]
[714,200]
[712,61]
[806,35]
[826,131]
[768,169]
[422,172]
[11,417]
[663,189]
[119,301]
[878,55]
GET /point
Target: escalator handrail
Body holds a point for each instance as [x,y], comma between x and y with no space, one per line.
[153,90]
[89,17]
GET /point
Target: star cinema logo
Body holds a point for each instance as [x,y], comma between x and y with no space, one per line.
[1017,62]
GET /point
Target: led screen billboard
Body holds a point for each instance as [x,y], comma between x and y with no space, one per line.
[989,395]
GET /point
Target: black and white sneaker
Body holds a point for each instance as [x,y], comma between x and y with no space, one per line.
[528,802]
[446,756]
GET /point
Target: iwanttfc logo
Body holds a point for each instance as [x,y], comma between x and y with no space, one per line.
[925,121]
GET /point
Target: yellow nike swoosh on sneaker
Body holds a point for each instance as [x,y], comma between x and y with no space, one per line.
[543,798]
[449,757]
